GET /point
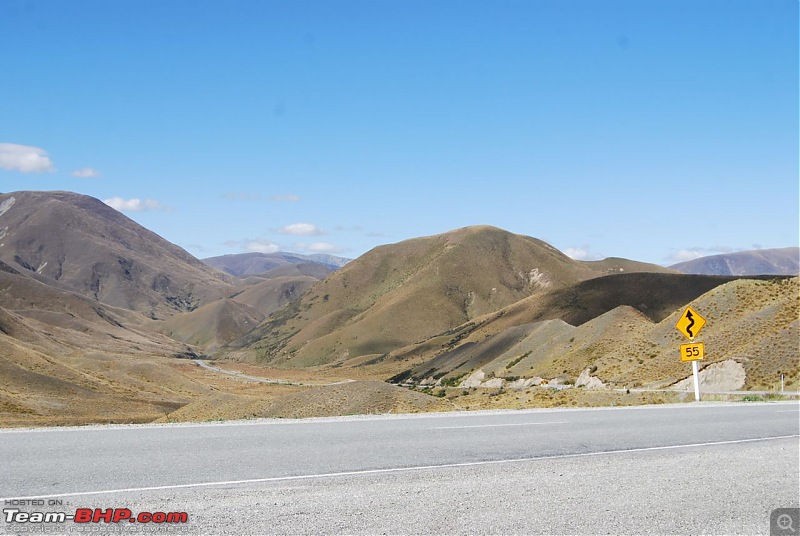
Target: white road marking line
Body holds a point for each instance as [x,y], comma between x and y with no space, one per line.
[394,470]
[497,425]
[788,410]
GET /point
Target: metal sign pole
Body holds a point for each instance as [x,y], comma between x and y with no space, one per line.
[696,374]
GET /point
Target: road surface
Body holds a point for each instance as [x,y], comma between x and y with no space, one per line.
[694,468]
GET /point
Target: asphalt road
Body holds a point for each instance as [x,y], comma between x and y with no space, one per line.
[694,468]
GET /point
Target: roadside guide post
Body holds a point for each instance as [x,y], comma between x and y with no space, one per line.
[690,323]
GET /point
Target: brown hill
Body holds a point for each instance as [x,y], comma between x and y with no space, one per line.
[269,295]
[62,321]
[77,243]
[212,325]
[225,320]
[398,294]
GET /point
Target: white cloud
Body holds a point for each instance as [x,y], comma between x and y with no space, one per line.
[24,158]
[133,204]
[691,254]
[321,247]
[301,229]
[245,196]
[686,255]
[86,173]
[581,254]
[240,196]
[261,246]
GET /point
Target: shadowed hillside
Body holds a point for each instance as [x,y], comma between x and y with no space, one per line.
[619,345]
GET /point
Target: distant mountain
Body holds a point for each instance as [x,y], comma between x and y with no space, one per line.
[245,264]
[397,294]
[328,260]
[77,243]
[784,261]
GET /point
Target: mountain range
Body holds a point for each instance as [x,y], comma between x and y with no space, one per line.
[98,316]
[245,264]
[783,261]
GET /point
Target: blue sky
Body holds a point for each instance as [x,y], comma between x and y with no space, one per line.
[655,130]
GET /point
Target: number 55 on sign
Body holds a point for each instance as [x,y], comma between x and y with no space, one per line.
[693,351]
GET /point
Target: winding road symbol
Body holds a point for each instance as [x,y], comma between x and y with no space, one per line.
[690,323]
[690,316]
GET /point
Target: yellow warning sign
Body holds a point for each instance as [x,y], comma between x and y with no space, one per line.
[690,323]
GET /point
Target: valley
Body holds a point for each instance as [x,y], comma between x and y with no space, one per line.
[103,321]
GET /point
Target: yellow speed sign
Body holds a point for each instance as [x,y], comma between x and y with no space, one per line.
[693,351]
